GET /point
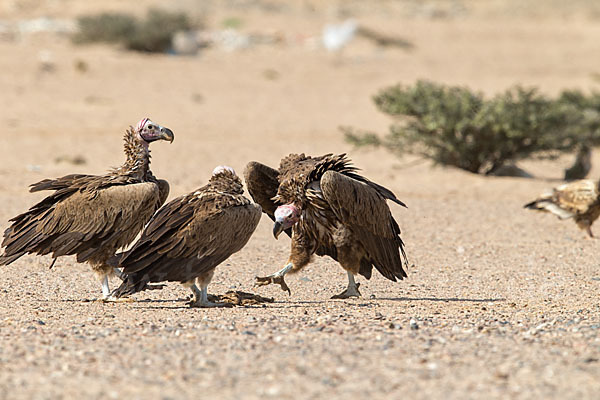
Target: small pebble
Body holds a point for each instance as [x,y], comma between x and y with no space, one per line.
[413,324]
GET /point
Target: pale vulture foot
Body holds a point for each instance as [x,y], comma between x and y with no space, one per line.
[201,299]
[351,290]
[276,278]
[107,297]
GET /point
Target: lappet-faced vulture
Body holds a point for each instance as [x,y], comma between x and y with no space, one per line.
[190,236]
[579,200]
[329,209]
[93,216]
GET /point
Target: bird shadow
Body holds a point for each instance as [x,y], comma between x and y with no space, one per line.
[177,303]
[442,299]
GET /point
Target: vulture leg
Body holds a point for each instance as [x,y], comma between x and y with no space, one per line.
[201,296]
[107,297]
[277,277]
[119,273]
[589,231]
[196,293]
[351,290]
[105,288]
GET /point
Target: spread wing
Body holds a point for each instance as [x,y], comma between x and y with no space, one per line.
[262,182]
[568,200]
[73,220]
[184,240]
[363,210]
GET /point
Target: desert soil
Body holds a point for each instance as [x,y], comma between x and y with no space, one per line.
[504,301]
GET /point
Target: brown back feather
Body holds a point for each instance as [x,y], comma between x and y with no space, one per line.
[191,235]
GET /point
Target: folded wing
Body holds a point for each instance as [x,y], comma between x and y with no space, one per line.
[363,209]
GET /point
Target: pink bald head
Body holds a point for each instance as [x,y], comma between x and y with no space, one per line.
[287,214]
[142,124]
[285,217]
[149,131]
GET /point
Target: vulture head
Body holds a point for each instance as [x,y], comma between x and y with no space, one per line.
[149,131]
[285,217]
[222,168]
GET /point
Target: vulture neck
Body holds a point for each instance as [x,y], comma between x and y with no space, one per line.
[138,157]
[227,182]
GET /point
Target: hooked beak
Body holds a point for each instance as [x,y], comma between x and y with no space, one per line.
[167,134]
[277,229]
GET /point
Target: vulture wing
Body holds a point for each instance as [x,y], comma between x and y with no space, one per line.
[74,220]
[262,182]
[185,240]
[66,182]
[363,209]
[576,197]
[164,189]
[568,200]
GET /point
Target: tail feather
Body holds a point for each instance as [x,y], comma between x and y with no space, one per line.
[533,205]
[6,259]
[130,286]
[547,205]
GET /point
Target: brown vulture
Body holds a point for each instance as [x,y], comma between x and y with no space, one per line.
[579,200]
[190,236]
[93,216]
[329,209]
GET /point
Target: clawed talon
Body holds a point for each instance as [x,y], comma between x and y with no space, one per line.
[276,279]
[346,294]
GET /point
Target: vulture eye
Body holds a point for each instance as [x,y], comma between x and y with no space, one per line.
[150,126]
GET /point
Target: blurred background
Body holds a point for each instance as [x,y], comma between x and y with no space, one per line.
[245,79]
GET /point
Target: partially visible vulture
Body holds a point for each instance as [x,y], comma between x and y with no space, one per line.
[190,236]
[579,200]
[93,216]
[329,209]
[582,165]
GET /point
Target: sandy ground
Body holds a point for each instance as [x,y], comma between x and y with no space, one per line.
[506,301]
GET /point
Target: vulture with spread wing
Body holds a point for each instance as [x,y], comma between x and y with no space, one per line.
[579,200]
[190,236]
[329,209]
[93,216]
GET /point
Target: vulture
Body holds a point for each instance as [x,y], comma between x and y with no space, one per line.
[582,165]
[579,200]
[188,237]
[327,208]
[92,216]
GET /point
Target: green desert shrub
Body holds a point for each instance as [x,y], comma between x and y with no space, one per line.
[151,34]
[455,126]
[105,27]
[154,34]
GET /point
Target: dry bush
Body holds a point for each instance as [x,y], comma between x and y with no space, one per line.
[152,34]
[455,126]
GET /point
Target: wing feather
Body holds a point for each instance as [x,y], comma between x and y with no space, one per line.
[361,208]
[74,221]
[188,247]
[262,182]
[568,200]
[577,197]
